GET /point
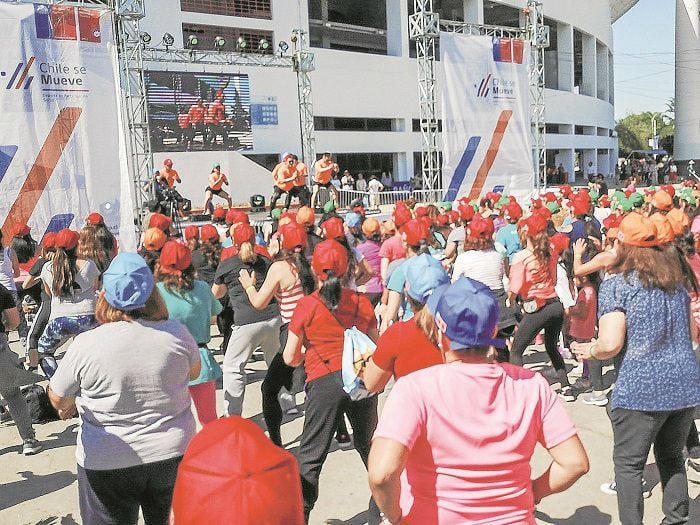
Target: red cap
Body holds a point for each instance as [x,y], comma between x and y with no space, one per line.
[154,239]
[209,233]
[466,212]
[604,201]
[306,216]
[534,224]
[565,190]
[427,221]
[167,162]
[49,240]
[493,196]
[480,228]
[637,230]
[160,221]
[329,255]
[560,242]
[668,188]
[579,205]
[414,232]
[612,221]
[20,230]
[67,239]
[442,219]
[421,211]
[191,232]
[243,233]
[333,228]
[453,215]
[234,216]
[550,197]
[543,212]
[95,219]
[219,214]
[401,215]
[292,236]
[232,473]
[175,258]
[512,211]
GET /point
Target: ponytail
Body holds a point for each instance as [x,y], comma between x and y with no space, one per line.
[247,253]
[542,251]
[64,270]
[306,276]
[330,291]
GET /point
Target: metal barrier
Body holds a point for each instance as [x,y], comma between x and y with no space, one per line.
[388,198]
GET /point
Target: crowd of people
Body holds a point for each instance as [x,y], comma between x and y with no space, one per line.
[449,298]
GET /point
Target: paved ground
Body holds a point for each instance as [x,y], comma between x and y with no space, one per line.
[42,489]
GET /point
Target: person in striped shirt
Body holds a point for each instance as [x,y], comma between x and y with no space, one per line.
[288,280]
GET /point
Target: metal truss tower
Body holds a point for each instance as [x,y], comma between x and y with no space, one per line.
[303,63]
[424,28]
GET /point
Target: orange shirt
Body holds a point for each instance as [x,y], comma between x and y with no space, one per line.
[302,173]
[215,112]
[171,176]
[284,176]
[213,178]
[323,170]
[196,114]
[184,120]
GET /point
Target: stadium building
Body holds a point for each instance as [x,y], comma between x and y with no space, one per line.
[365,87]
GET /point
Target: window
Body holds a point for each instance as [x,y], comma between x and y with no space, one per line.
[207,34]
[501,15]
[416,125]
[352,124]
[578,61]
[551,57]
[246,8]
[358,26]
[366,163]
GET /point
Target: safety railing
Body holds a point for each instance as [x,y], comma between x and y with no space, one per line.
[373,200]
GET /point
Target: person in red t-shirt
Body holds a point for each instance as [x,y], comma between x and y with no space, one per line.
[197,113]
[214,118]
[318,323]
[410,345]
[186,129]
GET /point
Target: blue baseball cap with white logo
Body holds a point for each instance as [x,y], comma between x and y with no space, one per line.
[423,273]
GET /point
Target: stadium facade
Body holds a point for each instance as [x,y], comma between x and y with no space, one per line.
[365,88]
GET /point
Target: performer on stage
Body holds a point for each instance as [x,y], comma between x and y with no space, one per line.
[302,191]
[168,174]
[324,168]
[284,175]
[216,182]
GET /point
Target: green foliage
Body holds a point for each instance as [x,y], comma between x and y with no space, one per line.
[634,131]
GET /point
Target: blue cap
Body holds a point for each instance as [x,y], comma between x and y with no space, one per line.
[423,273]
[128,282]
[467,312]
[353,220]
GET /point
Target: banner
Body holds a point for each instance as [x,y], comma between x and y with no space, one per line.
[485,112]
[199,111]
[62,151]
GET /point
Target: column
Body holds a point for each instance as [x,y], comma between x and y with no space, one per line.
[397,28]
[602,71]
[565,53]
[602,162]
[474,11]
[589,68]
[686,145]
[589,155]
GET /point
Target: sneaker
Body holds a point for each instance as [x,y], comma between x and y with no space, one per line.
[611,489]
[598,399]
[31,446]
[581,385]
[567,394]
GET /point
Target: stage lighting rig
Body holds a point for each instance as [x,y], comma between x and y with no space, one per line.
[192,42]
[145,38]
[219,43]
[263,45]
[283,47]
[241,44]
[168,40]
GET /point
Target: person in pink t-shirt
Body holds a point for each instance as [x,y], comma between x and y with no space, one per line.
[454,441]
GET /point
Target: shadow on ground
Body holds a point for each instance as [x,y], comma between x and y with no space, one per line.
[588,515]
[34,486]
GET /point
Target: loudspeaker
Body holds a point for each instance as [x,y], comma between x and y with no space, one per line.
[257,203]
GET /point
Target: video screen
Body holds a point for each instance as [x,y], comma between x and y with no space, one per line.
[198,111]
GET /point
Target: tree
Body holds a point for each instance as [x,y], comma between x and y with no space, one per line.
[634,131]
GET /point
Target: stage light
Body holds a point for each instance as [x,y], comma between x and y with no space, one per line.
[219,43]
[168,40]
[241,44]
[192,42]
[283,46]
[145,37]
[263,45]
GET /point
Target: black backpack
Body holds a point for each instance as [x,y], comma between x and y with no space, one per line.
[40,408]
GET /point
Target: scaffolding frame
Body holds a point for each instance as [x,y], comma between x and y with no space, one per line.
[424,27]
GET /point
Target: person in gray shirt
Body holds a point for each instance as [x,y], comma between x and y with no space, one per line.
[128,380]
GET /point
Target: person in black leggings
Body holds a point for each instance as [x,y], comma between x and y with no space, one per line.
[532,278]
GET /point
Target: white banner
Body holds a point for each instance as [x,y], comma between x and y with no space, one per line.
[62,152]
[486,125]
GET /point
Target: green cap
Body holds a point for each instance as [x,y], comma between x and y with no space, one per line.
[686,194]
[553,207]
[276,214]
[503,201]
[447,206]
[594,195]
[329,207]
[215,165]
[636,200]
[624,203]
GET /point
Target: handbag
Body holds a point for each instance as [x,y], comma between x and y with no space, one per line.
[211,371]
